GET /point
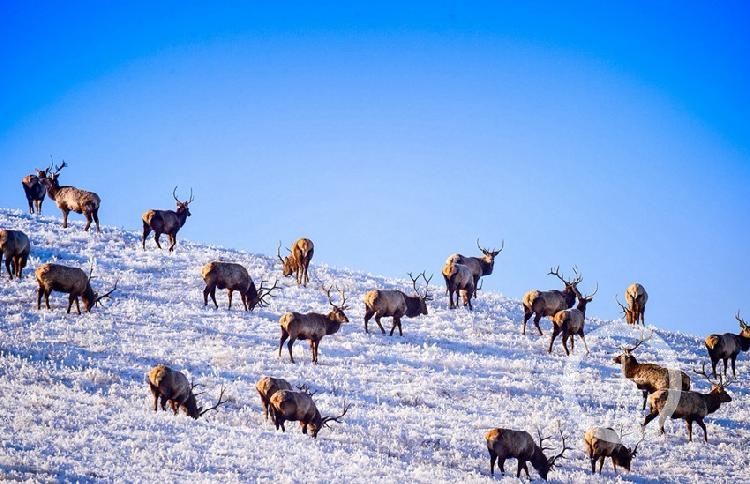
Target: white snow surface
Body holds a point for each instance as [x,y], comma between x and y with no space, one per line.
[75,405]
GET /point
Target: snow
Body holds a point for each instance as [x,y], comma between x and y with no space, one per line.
[76,407]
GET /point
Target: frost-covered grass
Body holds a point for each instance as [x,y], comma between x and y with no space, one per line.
[75,406]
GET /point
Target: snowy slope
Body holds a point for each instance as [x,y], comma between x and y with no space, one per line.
[75,405]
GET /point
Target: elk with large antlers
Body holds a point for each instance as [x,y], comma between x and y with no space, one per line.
[298,260]
[15,247]
[602,442]
[312,326]
[71,199]
[384,303]
[570,323]
[34,189]
[504,443]
[728,345]
[299,406]
[479,266]
[267,387]
[233,277]
[70,280]
[168,385]
[166,221]
[689,406]
[548,303]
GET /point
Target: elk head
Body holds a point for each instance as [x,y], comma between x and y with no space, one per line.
[91,298]
[717,388]
[337,313]
[571,287]
[50,178]
[287,264]
[314,427]
[259,298]
[423,298]
[544,466]
[182,206]
[744,328]
[489,255]
[626,356]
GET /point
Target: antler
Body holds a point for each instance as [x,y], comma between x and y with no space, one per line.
[305,388]
[343,300]
[263,292]
[427,283]
[721,383]
[174,194]
[331,418]
[58,168]
[108,293]
[542,439]
[278,252]
[639,343]
[743,325]
[560,455]
[492,252]
[624,309]
[592,294]
[218,403]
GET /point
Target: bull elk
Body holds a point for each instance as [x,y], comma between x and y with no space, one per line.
[727,346]
[636,298]
[602,442]
[298,260]
[166,221]
[548,303]
[171,386]
[267,387]
[479,266]
[392,303]
[299,406]
[68,198]
[460,280]
[34,189]
[15,247]
[504,443]
[233,277]
[570,323]
[70,280]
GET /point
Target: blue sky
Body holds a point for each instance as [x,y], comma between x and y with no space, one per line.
[608,136]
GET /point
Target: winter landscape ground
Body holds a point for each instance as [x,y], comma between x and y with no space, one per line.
[75,405]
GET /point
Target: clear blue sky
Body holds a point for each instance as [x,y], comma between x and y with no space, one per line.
[614,137]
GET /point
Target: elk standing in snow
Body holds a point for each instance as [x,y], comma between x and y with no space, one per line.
[548,303]
[299,406]
[298,260]
[600,443]
[390,303]
[728,345]
[172,386]
[267,387]
[70,280]
[15,247]
[504,443]
[312,326]
[479,266]
[636,298]
[166,221]
[570,322]
[69,199]
[233,277]
[459,279]
[35,190]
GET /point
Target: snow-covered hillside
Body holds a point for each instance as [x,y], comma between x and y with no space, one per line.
[74,404]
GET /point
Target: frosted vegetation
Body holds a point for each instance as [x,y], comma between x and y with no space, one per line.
[76,406]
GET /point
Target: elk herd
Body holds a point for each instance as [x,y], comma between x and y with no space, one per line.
[667,392]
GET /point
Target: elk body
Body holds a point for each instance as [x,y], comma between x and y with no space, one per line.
[298,260]
[602,442]
[459,279]
[548,303]
[727,346]
[232,277]
[570,322]
[479,266]
[391,303]
[71,199]
[636,298]
[69,280]
[299,406]
[166,221]
[311,326]
[168,385]
[34,189]
[15,247]
[267,387]
[504,443]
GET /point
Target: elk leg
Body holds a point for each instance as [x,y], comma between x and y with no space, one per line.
[172,240]
[377,320]
[71,298]
[163,401]
[230,300]
[493,458]
[284,336]
[689,423]
[210,290]
[368,314]
[713,365]
[580,333]
[565,338]
[476,283]
[39,293]
[526,316]
[555,332]
[733,372]
[146,231]
[157,235]
[501,464]
[7,266]
[78,307]
[538,318]
[703,426]
[314,348]
[95,214]
[450,298]
[467,297]
[397,323]
[87,214]
[46,298]
[645,397]
[174,406]
[65,218]
[289,346]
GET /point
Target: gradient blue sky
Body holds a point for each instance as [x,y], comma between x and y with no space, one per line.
[611,136]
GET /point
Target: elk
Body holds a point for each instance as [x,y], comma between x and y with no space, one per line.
[391,303]
[15,247]
[690,406]
[69,199]
[233,277]
[459,279]
[479,266]
[299,406]
[728,345]
[34,189]
[312,326]
[648,377]
[168,385]
[504,443]
[636,298]
[267,387]
[166,221]
[70,280]
[298,260]
[548,303]
[602,442]
[570,322]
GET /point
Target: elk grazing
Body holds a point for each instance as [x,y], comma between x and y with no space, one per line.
[479,266]
[548,303]
[570,323]
[298,260]
[504,443]
[69,199]
[70,280]
[390,303]
[172,386]
[15,247]
[267,387]
[602,442]
[166,221]
[233,277]
[649,377]
[34,189]
[690,406]
[728,345]
[299,406]
[312,326]
[459,279]
[636,298]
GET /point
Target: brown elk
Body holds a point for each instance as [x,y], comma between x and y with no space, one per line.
[69,199]
[504,443]
[267,387]
[636,298]
[299,406]
[691,406]
[479,266]
[233,277]
[602,442]
[459,279]
[727,346]
[15,247]
[168,385]
[70,280]
[166,221]
[312,326]
[570,323]
[548,303]
[391,303]
[35,190]
[298,260]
